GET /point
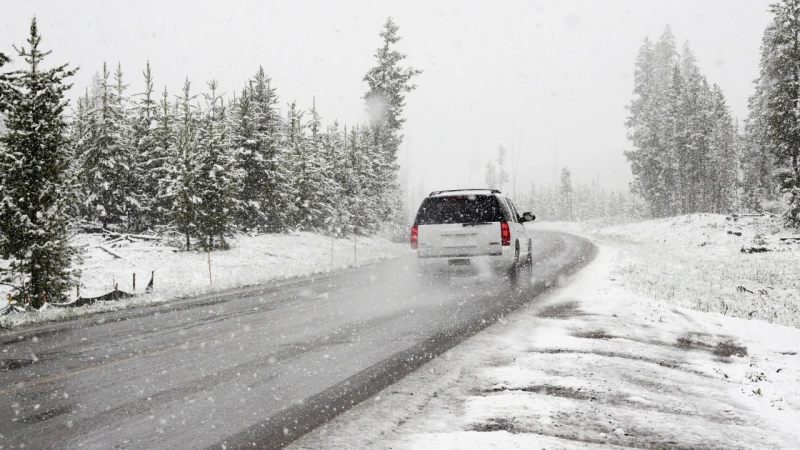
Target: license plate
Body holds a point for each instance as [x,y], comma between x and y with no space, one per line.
[459,262]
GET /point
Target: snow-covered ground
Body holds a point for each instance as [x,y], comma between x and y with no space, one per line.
[612,360]
[743,267]
[252,260]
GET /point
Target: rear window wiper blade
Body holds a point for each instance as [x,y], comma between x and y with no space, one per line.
[472,224]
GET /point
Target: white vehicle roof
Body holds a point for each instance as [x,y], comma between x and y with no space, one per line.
[451,192]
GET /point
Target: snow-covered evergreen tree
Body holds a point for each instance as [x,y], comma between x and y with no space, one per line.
[297,158]
[79,139]
[780,70]
[180,184]
[722,158]
[643,125]
[682,133]
[159,164]
[756,160]
[321,185]
[216,178]
[565,196]
[490,175]
[107,161]
[334,147]
[35,181]
[5,89]
[388,83]
[145,166]
[502,175]
[257,137]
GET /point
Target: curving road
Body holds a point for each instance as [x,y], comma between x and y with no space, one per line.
[256,367]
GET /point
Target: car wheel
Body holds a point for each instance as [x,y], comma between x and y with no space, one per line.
[513,271]
[529,259]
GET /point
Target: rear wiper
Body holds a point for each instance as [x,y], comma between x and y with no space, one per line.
[472,224]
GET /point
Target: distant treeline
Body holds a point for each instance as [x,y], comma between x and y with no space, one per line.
[580,202]
[689,155]
[685,142]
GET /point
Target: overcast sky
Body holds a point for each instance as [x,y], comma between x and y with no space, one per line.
[541,75]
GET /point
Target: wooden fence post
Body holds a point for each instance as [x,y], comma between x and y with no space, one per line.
[210,280]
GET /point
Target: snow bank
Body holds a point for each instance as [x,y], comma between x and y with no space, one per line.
[592,366]
[252,260]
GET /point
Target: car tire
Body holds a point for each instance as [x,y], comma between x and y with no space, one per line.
[514,270]
[529,258]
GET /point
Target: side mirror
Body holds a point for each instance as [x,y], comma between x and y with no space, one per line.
[528,217]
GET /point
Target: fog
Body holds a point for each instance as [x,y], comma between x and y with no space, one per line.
[547,79]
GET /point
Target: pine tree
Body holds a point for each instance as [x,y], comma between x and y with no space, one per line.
[107,162]
[146,166]
[502,175]
[757,161]
[180,186]
[35,181]
[297,159]
[490,175]
[79,139]
[333,146]
[353,199]
[388,83]
[5,88]
[159,165]
[695,107]
[257,137]
[682,134]
[216,179]
[322,185]
[565,199]
[780,68]
[644,124]
[672,160]
[722,157]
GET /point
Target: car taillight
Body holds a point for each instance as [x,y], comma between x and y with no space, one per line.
[505,234]
[414,237]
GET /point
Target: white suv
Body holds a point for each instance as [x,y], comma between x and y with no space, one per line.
[471,227]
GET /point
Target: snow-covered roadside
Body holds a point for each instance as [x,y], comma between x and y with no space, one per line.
[739,266]
[252,260]
[593,366]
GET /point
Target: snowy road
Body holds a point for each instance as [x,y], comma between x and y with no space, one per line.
[259,366]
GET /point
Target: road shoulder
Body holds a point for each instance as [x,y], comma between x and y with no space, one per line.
[592,365]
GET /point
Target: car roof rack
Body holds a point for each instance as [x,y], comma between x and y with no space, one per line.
[493,191]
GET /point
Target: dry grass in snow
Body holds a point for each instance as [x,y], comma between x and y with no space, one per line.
[697,261]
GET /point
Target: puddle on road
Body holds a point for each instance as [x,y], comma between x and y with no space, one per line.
[593,334]
[706,342]
[729,348]
[14,364]
[564,310]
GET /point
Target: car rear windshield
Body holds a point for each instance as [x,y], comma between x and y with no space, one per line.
[459,209]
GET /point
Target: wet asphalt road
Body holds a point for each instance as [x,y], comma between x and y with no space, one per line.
[257,367]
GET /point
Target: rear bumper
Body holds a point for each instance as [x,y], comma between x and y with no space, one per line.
[456,263]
